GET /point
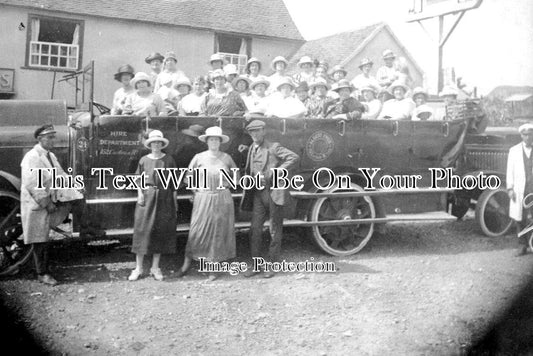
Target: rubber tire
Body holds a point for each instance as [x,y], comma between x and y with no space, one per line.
[481,207]
[27,251]
[319,240]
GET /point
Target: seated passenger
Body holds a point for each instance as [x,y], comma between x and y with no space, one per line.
[387,74]
[365,79]
[168,93]
[422,111]
[183,86]
[260,99]
[191,104]
[231,73]
[371,103]
[221,101]
[253,68]
[170,71]
[285,105]
[317,104]
[124,75]
[241,85]
[155,60]
[307,71]
[344,107]
[322,71]
[279,65]
[143,102]
[302,93]
[337,73]
[399,108]
[449,94]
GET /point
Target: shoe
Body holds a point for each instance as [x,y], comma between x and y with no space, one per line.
[268,274]
[156,273]
[135,274]
[47,279]
[182,273]
[250,272]
[521,251]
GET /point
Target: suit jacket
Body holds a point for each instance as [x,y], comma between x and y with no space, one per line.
[269,155]
[516,180]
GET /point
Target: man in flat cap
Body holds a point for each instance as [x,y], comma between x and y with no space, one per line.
[43,208]
[520,179]
[262,156]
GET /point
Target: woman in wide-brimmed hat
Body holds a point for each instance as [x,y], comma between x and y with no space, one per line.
[365,79]
[345,106]
[191,105]
[317,104]
[253,70]
[155,60]
[400,107]
[154,228]
[388,73]
[241,85]
[422,110]
[220,101]
[285,105]
[124,75]
[279,65]
[212,228]
[372,104]
[170,71]
[260,99]
[307,71]
[143,101]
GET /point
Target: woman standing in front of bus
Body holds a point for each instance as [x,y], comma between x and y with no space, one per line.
[154,230]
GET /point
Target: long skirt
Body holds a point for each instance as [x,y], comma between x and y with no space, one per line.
[212,231]
[154,229]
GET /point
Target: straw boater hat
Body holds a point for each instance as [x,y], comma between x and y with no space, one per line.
[369,88]
[343,83]
[253,60]
[304,60]
[339,68]
[323,64]
[214,131]
[218,73]
[286,80]
[140,76]
[279,59]
[241,77]
[193,130]
[420,90]
[397,84]
[364,62]
[44,130]
[525,128]
[388,54]
[424,109]
[170,55]
[230,69]
[153,56]
[319,82]
[448,90]
[124,69]
[183,81]
[216,57]
[259,81]
[155,135]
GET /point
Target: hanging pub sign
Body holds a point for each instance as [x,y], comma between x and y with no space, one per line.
[7,80]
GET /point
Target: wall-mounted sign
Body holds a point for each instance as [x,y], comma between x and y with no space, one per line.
[7,80]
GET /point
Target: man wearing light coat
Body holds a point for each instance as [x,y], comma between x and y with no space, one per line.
[520,178]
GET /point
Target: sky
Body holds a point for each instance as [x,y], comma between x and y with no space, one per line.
[491,46]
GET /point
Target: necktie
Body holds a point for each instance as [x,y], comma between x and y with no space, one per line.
[49,158]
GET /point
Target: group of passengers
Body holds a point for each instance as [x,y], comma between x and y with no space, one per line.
[314,92]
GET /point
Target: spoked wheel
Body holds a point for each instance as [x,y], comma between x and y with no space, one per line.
[13,252]
[492,212]
[343,240]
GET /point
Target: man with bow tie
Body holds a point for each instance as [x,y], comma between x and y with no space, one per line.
[262,156]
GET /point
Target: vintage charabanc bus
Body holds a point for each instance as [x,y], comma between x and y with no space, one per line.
[340,219]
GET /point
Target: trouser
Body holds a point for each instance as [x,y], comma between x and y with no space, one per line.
[263,205]
[40,257]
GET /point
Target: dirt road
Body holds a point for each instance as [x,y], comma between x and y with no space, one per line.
[414,290]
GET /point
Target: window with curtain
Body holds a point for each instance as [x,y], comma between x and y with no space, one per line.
[234,49]
[54,43]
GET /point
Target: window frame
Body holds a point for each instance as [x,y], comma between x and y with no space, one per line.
[27,62]
[248,39]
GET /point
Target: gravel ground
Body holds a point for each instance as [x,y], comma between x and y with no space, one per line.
[417,289]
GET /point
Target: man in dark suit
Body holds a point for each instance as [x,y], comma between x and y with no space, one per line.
[262,156]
